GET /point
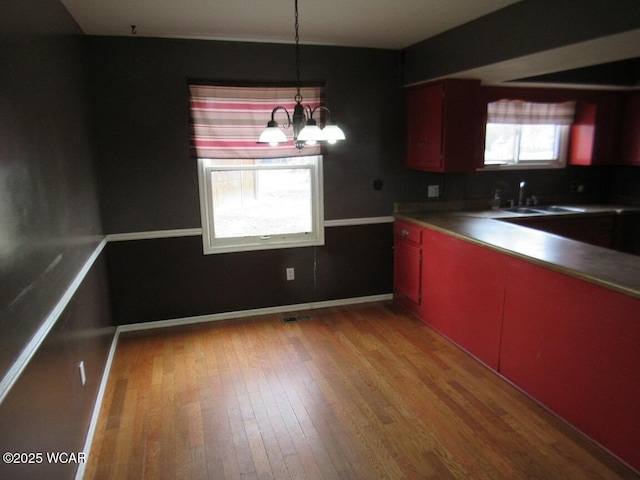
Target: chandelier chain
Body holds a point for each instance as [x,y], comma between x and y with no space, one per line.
[298,96]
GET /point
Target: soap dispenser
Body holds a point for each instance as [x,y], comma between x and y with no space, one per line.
[495,203]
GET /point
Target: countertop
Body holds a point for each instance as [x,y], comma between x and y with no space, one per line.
[608,268]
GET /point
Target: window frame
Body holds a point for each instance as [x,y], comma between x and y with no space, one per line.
[213,245]
[562,140]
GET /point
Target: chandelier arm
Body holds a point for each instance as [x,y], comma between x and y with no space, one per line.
[273,112]
[321,108]
[308,111]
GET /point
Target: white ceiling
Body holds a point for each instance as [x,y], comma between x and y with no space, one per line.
[389,24]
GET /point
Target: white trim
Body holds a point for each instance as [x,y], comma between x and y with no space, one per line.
[95,416]
[194,232]
[348,222]
[36,340]
[134,327]
[183,232]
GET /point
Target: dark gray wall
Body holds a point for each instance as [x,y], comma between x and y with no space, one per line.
[48,409]
[49,217]
[356,261]
[148,182]
[141,112]
[49,227]
[524,28]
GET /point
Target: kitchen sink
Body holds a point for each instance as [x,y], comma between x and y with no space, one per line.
[543,209]
[558,209]
[524,210]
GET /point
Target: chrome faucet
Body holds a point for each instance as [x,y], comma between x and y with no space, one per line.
[521,193]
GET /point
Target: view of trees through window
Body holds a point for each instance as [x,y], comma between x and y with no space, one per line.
[514,143]
[261,197]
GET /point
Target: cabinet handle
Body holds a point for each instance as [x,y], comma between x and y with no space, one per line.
[405,233]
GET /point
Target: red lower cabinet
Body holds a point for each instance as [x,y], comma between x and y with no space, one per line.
[463,293]
[575,347]
[407,264]
[570,344]
[407,270]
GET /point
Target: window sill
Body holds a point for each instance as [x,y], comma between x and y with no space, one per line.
[255,246]
[533,166]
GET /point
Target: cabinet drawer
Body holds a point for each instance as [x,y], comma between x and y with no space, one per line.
[408,231]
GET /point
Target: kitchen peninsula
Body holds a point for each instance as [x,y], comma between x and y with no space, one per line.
[558,318]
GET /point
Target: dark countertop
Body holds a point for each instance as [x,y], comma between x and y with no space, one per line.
[608,268]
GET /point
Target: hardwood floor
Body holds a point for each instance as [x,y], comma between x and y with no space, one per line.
[360,392]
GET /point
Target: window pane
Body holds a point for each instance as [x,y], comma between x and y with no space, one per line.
[261,202]
[538,142]
[500,144]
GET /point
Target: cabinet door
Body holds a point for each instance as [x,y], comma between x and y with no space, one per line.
[594,133]
[630,142]
[575,347]
[463,293]
[424,127]
[443,126]
[407,269]
[583,135]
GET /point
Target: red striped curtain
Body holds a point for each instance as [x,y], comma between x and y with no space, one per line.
[518,111]
[227,121]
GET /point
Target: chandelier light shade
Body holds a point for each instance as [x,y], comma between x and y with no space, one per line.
[306,130]
[272,134]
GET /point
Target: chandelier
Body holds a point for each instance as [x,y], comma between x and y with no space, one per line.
[305,128]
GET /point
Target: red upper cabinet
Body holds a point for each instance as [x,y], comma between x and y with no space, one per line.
[424,126]
[443,126]
[630,140]
[594,134]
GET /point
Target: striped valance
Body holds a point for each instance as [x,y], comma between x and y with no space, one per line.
[227,121]
[518,111]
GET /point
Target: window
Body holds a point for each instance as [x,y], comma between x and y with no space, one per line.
[525,145]
[530,135]
[253,196]
[261,203]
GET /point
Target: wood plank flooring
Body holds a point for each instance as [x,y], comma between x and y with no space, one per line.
[357,392]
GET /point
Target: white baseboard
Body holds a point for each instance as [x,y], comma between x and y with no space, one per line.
[250,313]
[95,416]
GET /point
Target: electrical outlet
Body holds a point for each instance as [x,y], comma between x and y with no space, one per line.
[433,191]
[291,274]
[83,375]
